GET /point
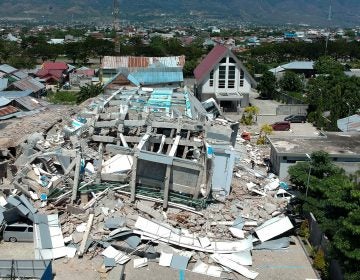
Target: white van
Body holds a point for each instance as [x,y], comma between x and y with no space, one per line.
[18,232]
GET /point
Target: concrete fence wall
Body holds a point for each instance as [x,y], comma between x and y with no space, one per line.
[292,109]
[319,240]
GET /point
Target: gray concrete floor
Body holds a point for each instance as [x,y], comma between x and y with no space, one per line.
[290,263]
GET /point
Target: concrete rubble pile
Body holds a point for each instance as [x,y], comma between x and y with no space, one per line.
[142,174]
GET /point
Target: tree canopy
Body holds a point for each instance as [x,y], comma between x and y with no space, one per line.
[267,85]
[291,82]
[334,199]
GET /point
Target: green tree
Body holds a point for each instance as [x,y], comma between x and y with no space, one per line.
[89,91]
[328,65]
[103,48]
[267,85]
[334,199]
[74,51]
[291,82]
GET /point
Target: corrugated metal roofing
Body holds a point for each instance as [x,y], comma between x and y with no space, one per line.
[20,74]
[14,94]
[28,103]
[305,65]
[209,61]
[46,74]
[29,84]
[3,84]
[153,76]
[85,72]
[7,68]
[4,101]
[55,66]
[351,123]
[8,110]
[115,62]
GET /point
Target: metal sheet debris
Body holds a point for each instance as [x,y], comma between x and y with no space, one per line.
[233,265]
[179,262]
[140,262]
[165,259]
[205,269]
[276,244]
[161,233]
[120,257]
[273,228]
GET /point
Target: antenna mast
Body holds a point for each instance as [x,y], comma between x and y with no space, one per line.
[116,15]
[328,35]
[116,23]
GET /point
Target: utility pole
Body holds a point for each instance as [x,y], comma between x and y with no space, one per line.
[116,23]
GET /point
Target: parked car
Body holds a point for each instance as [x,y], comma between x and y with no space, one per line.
[296,118]
[281,126]
[282,194]
[18,232]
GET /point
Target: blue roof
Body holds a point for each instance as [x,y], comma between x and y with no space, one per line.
[4,101]
[290,35]
[7,68]
[3,84]
[15,94]
[154,76]
[307,65]
[351,123]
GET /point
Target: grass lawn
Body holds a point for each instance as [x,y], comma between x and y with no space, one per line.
[63,97]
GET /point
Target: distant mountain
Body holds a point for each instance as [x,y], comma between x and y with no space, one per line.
[344,12]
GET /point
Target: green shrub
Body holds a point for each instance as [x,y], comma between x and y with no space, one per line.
[320,263]
[304,229]
[62,97]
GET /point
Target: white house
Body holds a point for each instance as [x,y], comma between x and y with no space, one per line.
[223,77]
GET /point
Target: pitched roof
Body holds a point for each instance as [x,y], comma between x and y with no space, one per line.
[7,68]
[14,94]
[213,57]
[55,66]
[20,74]
[8,110]
[350,123]
[304,65]
[115,62]
[86,72]
[3,84]
[4,101]
[154,76]
[29,84]
[46,74]
[28,103]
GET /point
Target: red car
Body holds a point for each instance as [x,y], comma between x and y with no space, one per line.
[281,126]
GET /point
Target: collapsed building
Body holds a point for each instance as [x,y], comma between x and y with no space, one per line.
[159,141]
[126,157]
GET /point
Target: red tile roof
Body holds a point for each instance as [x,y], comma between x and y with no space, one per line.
[207,64]
[46,74]
[55,66]
[7,110]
